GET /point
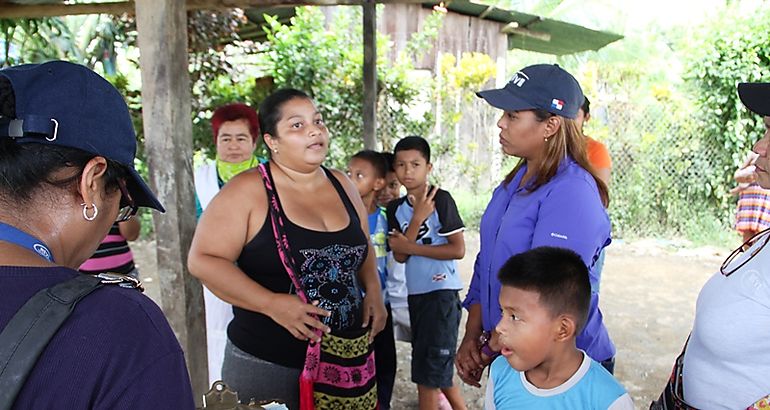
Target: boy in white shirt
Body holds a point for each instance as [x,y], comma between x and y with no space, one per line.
[396,280]
[545,298]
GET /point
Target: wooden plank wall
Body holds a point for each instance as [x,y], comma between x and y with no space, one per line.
[459,33]
[476,135]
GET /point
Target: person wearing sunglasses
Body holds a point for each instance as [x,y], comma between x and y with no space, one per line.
[726,361]
[67,149]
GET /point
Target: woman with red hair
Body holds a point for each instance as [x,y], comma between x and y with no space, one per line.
[236,134]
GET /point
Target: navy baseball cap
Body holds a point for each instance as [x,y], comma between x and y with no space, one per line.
[756,97]
[541,86]
[66,104]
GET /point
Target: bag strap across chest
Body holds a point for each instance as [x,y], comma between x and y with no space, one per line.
[279,231]
[27,334]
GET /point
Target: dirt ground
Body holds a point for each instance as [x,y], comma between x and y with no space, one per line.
[648,294]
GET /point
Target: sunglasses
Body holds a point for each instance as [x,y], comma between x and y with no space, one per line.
[730,265]
[128,207]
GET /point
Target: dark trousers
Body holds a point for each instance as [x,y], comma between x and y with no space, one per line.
[385,362]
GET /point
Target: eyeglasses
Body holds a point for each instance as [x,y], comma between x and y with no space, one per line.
[128,207]
[727,269]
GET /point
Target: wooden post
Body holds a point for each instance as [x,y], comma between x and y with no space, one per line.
[370,75]
[166,107]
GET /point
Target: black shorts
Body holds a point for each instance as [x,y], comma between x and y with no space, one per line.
[435,320]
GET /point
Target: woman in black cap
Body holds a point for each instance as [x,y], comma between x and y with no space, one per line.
[726,361]
[67,147]
[552,197]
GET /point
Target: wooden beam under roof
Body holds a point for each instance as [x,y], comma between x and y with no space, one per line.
[13,10]
[60,9]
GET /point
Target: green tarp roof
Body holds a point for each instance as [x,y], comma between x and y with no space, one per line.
[534,33]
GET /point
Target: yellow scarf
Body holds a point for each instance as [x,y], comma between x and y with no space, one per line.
[227,170]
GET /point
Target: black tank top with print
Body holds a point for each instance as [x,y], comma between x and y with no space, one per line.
[328,265]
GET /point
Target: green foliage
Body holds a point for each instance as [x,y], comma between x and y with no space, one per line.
[660,183]
[208,34]
[86,40]
[328,64]
[221,91]
[675,142]
[665,176]
[423,40]
[454,96]
[737,49]
[471,206]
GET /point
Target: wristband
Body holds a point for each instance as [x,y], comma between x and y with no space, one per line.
[484,342]
[489,352]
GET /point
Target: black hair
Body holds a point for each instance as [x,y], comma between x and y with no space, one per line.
[558,275]
[414,143]
[542,114]
[586,107]
[389,160]
[24,168]
[376,159]
[270,109]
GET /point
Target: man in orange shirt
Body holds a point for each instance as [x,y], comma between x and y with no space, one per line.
[599,158]
[598,155]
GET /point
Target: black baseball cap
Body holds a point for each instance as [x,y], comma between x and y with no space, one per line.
[541,86]
[66,104]
[756,97]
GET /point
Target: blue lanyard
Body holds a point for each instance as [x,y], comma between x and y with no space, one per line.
[10,234]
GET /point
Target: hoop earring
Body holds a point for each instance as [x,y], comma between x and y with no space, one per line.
[85,211]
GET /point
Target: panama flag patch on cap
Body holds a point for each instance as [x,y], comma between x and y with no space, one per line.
[557,104]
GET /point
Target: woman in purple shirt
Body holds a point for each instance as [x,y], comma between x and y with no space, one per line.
[551,198]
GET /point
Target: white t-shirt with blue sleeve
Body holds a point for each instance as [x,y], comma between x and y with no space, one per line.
[424,274]
[591,387]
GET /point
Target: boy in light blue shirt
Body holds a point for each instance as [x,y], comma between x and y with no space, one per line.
[545,297]
[368,169]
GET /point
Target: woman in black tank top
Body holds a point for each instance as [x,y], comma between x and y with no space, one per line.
[235,256]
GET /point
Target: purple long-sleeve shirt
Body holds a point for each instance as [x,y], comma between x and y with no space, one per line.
[566,212]
[115,352]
